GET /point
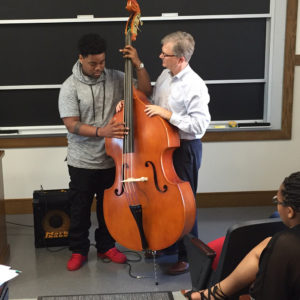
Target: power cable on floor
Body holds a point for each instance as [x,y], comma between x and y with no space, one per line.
[105,260]
[129,263]
[31,226]
[18,224]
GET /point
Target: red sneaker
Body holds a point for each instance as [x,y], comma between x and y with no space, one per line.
[76,261]
[114,255]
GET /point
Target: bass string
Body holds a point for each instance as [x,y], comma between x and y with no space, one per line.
[127,159]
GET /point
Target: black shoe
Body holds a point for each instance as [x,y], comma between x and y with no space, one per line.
[178,268]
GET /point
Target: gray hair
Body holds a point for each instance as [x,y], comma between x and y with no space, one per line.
[183,44]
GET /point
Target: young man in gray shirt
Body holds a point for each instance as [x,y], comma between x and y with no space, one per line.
[87,103]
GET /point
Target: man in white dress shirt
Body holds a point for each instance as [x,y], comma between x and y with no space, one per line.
[181,97]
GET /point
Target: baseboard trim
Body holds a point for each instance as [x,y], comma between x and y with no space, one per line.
[235,199]
[18,206]
[4,255]
[204,200]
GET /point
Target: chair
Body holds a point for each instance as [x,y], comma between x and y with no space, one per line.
[239,240]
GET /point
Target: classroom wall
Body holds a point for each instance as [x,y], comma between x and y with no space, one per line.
[226,167]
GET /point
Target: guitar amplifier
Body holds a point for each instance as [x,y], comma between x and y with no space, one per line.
[51,215]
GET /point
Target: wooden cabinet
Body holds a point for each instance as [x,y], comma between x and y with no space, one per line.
[4,247]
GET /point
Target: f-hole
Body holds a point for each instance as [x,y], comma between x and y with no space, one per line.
[165,188]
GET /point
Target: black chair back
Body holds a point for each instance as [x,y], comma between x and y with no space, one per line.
[200,257]
[240,239]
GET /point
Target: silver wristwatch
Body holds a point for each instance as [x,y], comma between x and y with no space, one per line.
[141,66]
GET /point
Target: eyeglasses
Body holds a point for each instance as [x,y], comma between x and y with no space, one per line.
[277,202]
[166,55]
[285,203]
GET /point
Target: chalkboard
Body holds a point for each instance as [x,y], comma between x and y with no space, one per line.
[223,49]
[29,108]
[48,9]
[44,53]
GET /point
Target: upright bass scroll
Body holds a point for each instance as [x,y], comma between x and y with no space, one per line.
[134,19]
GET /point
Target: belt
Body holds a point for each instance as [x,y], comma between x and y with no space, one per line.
[185,140]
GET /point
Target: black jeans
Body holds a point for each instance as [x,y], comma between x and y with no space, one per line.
[84,184]
[187,162]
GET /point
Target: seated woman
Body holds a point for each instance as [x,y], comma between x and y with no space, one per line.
[272,268]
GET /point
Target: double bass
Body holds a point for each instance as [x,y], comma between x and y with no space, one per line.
[148,206]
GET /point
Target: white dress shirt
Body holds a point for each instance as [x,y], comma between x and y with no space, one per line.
[186,96]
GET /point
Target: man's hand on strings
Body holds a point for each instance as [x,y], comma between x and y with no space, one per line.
[120,106]
[130,52]
[155,110]
[114,130]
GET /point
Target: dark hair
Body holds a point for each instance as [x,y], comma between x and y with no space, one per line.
[91,43]
[291,191]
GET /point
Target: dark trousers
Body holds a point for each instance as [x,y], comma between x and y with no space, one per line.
[84,185]
[187,162]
